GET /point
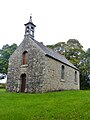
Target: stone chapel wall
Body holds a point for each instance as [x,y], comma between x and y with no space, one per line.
[34,69]
[53,79]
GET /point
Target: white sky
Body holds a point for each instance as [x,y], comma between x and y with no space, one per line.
[56,20]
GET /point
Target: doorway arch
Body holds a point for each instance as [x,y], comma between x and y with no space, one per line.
[23,82]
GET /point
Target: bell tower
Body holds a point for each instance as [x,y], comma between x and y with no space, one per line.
[30,28]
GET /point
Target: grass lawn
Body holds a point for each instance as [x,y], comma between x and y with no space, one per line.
[65,105]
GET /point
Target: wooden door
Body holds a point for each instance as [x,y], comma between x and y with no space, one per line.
[23,82]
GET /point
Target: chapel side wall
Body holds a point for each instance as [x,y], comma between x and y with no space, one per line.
[53,79]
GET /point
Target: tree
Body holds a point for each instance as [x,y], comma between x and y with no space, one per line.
[59,47]
[73,51]
[5,53]
[84,68]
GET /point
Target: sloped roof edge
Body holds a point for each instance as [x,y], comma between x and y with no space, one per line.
[50,53]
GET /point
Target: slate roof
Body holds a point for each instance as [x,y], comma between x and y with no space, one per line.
[54,55]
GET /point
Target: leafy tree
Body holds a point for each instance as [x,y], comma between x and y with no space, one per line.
[59,47]
[84,68]
[5,53]
[73,51]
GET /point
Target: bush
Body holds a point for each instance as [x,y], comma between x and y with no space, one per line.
[2,86]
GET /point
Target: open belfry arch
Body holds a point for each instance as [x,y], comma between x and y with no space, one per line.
[35,68]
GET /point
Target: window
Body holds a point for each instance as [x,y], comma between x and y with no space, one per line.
[75,76]
[32,27]
[62,71]
[25,57]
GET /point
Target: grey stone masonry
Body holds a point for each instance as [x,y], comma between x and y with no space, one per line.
[54,81]
[43,73]
[34,69]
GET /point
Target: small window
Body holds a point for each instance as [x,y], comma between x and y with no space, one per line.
[32,27]
[75,76]
[25,57]
[62,71]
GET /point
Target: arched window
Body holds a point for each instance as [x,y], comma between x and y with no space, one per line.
[62,71]
[75,76]
[25,57]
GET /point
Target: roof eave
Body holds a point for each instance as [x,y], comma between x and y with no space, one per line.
[30,23]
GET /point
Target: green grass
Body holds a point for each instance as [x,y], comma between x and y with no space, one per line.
[65,105]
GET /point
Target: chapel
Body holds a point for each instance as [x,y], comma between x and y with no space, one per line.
[34,68]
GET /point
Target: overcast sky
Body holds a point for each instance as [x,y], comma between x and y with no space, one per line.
[56,20]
